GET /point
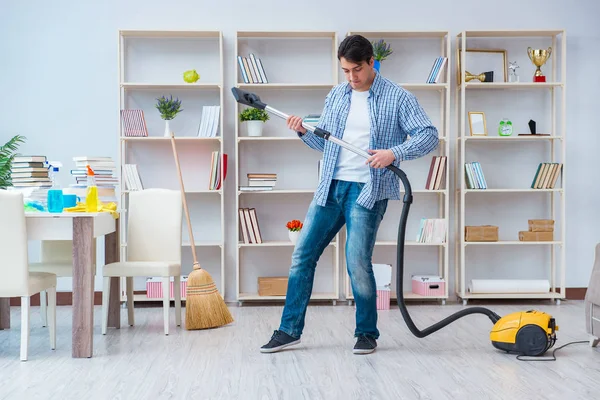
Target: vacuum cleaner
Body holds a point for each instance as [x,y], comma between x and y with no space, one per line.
[527,333]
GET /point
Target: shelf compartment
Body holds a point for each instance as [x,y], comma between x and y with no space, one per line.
[513,242]
[173,86]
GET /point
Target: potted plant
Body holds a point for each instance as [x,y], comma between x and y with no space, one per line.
[168,109]
[7,155]
[254,119]
[381,51]
[294,227]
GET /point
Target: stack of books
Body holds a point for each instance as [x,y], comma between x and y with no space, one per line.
[104,172]
[215,181]
[437,173]
[259,181]
[436,69]
[474,176]
[249,226]
[30,171]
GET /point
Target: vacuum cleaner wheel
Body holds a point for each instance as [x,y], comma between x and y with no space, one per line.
[532,340]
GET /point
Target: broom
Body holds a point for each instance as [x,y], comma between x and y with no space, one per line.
[204,306]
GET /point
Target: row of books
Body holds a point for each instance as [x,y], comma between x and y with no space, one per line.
[259,182]
[131,177]
[432,230]
[133,122]
[437,173]
[252,69]
[104,173]
[546,176]
[474,176]
[436,69]
[249,226]
[215,180]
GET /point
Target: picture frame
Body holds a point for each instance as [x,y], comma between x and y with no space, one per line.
[483,60]
[477,123]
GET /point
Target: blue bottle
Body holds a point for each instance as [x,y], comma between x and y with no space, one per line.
[55,194]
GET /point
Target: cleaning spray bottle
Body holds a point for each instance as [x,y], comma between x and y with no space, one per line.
[91,198]
[55,194]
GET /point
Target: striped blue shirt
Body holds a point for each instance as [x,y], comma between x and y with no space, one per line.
[394,114]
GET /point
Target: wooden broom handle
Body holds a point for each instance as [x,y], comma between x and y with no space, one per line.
[185,207]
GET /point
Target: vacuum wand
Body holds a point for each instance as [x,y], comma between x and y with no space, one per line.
[252,100]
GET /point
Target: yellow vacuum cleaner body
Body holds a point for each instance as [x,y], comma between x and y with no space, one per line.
[529,333]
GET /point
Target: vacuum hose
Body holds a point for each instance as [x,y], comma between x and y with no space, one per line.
[400,272]
[252,100]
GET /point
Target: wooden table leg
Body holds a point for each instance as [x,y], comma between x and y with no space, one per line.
[4,313]
[83,287]
[111,254]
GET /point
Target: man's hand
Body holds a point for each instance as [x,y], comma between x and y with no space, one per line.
[295,124]
[380,158]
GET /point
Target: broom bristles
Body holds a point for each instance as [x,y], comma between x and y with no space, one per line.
[204,306]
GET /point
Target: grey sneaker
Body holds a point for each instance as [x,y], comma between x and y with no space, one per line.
[279,341]
[364,345]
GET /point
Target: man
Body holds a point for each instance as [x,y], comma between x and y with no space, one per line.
[377,115]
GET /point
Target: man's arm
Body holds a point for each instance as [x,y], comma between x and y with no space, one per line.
[415,122]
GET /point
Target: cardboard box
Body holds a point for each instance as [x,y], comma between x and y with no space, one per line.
[428,285]
[528,236]
[541,225]
[272,286]
[481,233]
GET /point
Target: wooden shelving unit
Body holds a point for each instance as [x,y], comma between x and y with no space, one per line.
[280,151]
[517,183]
[421,48]
[151,64]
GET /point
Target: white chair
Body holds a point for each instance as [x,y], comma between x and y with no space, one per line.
[154,221]
[15,278]
[56,258]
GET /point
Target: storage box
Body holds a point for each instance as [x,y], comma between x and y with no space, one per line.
[272,286]
[541,225]
[154,287]
[527,236]
[383,299]
[428,285]
[481,233]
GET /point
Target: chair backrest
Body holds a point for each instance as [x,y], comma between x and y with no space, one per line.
[154,222]
[14,262]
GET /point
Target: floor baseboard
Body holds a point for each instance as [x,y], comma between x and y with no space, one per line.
[66,298]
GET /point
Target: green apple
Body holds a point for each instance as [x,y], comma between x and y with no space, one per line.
[191,76]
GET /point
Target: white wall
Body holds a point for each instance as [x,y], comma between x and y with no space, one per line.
[58,76]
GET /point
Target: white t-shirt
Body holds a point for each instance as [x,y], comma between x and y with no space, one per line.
[350,166]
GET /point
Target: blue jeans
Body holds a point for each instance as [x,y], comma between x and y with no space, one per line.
[321,225]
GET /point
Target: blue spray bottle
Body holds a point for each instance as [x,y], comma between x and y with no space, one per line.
[55,193]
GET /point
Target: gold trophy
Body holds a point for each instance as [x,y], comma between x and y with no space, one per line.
[538,57]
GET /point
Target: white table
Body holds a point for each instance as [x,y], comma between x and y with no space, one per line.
[82,229]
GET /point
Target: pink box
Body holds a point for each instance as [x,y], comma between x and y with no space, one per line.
[154,287]
[383,299]
[428,285]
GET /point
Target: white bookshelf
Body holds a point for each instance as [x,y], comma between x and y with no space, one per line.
[297,88]
[409,65]
[151,64]
[510,167]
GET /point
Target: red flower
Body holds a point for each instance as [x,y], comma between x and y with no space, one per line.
[294,225]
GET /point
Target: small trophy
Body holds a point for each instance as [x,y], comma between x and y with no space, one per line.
[483,77]
[513,77]
[538,57]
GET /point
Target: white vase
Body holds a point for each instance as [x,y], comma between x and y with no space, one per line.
[167,129]
[293,236]
[255,128]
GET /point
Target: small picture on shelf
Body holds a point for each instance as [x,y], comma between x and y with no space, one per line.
[477,123]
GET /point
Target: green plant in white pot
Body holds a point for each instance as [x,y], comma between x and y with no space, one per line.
[255,119]
[168,109]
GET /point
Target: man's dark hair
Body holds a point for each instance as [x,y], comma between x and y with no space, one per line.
[355,48]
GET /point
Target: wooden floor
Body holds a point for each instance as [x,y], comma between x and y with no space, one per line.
[457,362]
